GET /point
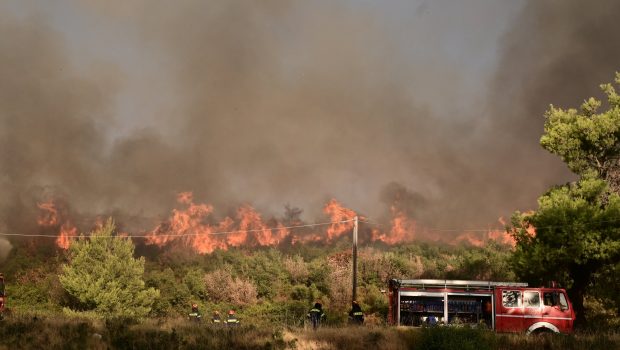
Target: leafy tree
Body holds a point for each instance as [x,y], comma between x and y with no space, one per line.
[586,140]
[104,276]
[576,237]
[173,295]
[491,262]
[194,280]
[577,226]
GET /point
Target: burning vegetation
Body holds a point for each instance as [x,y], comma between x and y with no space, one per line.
[194,225]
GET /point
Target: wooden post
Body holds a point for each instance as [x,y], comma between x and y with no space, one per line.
[354,294]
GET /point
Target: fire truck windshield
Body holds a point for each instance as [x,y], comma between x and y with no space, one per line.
[555,299]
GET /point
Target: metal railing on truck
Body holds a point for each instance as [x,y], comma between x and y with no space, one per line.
[454,284]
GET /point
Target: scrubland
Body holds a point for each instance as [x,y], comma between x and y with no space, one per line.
[60,332]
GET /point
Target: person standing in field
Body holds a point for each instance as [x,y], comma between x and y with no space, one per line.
[216,319]
[195,314]
[316,315]
[232,320]
[356,315]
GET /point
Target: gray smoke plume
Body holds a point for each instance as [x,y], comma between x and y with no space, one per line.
[280,102]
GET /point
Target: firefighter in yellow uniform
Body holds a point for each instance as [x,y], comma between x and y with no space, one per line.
[356,315]
[195,314]
[231,320]
[216,319]
[316,315]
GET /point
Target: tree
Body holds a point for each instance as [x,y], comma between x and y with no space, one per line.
[104,277]
[577,226]
[576,237]
[585,140]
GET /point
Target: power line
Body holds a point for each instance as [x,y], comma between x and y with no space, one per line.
[364,220]
[195,233]
[494,229]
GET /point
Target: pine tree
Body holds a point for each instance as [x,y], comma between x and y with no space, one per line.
[577,225]
[105,277]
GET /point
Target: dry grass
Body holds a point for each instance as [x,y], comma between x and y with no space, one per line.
[441,338]
[353,338]
[24,332]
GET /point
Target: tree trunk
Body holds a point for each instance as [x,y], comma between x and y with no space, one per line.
[581,278]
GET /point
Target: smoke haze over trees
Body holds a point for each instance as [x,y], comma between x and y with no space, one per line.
[116,108]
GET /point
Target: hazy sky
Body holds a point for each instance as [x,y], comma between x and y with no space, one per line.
[116,106]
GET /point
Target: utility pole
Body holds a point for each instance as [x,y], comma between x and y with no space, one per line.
[354,294]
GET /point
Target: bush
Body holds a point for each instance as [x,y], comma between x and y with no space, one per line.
[221,286]
[104,276]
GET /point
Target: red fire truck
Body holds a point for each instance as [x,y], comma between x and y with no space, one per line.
[502,306]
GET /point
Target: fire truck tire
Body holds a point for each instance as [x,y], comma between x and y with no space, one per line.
[542,327]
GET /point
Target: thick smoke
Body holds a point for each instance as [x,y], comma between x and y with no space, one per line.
[557,52]
[279,102]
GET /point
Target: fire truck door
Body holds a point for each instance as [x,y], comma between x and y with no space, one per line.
[509,310]
[556,310]
[532,308]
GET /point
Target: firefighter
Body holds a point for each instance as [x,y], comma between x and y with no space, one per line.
[487,313]
[195,314]
[216,319]
[232,320]
[316,315]
[356,316]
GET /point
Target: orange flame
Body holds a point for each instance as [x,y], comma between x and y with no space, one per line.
[251,222]
[189,226]
[67,234]
[192,224]
[402,230]
[50,217]
[338,213]
[480,239]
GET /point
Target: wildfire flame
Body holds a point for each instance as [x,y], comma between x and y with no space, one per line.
[50,217]
[338,213]
[403,229]
[479,239]
[193,225]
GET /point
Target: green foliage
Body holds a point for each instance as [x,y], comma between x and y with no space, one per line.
[103,276]
[266,270]
[301,293]
[576,237]
[194,280]
[174,296]
[488,263]
[319,275]
[585,140]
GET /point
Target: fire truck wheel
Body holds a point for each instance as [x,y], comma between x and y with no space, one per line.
[542,328]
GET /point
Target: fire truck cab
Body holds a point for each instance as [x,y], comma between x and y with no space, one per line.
[501,306]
